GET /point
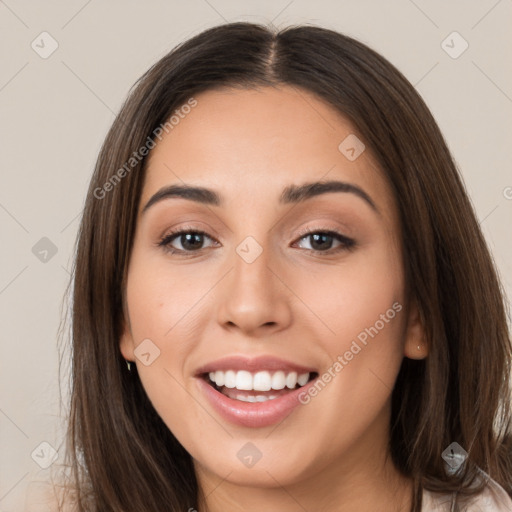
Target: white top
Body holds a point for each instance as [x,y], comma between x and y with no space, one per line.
[492,499]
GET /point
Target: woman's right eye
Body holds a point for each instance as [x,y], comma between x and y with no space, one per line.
[189,240]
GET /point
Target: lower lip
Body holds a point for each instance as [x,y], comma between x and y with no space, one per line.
[253,414]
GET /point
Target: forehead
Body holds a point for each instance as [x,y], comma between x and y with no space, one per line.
[243,142]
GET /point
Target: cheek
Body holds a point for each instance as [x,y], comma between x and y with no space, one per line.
[160,310]
[164,301]
[361,308]
[352,296]
[166,308]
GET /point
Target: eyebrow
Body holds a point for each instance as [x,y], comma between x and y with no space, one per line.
[290,194]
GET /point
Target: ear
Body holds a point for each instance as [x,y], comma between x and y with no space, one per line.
[416,346]
[126,343]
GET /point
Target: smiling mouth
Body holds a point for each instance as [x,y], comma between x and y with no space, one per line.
[259,386]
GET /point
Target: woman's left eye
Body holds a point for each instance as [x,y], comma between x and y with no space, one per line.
[322,241]
[193,241]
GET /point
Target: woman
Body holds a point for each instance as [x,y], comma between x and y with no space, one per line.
[282,297]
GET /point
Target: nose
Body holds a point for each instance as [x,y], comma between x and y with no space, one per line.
[254,297]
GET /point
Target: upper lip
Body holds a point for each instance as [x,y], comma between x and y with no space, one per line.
[253,364]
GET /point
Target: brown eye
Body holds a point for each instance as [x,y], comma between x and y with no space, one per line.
[186,240]
[323,241]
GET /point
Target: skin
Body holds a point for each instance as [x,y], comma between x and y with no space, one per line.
[331,454]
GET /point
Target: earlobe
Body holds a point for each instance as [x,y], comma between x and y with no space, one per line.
[416,346]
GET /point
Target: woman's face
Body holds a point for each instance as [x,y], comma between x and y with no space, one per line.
[256,302]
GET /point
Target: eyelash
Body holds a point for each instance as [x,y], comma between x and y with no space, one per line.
[347,244]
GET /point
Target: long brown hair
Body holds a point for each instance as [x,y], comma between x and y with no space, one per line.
[123,456]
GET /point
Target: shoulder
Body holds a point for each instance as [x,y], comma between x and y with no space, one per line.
[493,498]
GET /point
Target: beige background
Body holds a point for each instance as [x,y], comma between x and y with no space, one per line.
[56,111]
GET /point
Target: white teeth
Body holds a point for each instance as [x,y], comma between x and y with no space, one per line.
[291,380]
[243,380]
[257,398]
[218,378]
[302,379]
[262,381]
[229,379]
[259,381]
[246,398]
[279,380]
